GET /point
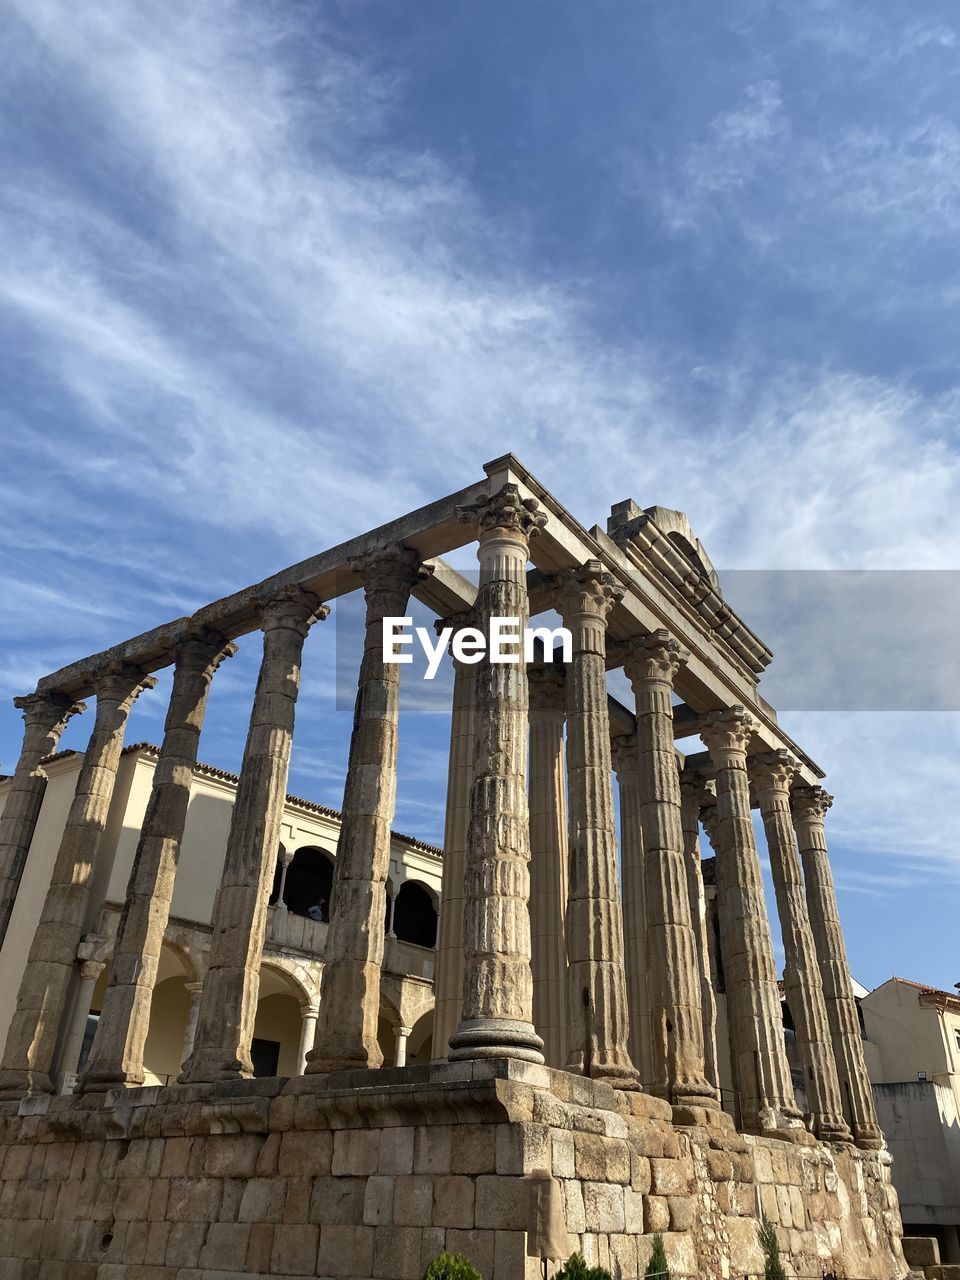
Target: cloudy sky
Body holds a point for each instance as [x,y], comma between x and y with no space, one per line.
[271,274]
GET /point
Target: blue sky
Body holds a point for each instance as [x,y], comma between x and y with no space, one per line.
[271,274]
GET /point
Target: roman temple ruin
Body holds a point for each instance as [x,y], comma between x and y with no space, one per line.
[607,1052]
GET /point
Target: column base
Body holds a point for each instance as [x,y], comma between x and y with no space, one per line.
[94,1080]
[619,1075]
[832,1129]
[24,1084]
[495,1038]
[210,1072]
[868,1137]
[320,1063]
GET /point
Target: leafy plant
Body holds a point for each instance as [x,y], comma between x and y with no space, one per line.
[451,1266]
[657,1265]
[767,1235]
[576,1269]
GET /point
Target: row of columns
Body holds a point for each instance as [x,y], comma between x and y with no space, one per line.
[575,885]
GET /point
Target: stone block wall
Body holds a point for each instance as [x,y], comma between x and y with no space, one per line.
[370,1175]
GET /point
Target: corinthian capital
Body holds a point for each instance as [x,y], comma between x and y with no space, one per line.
[505,510]
[204,651]
[389,574]
[694,787]
[773,771]
[48,712]
[626,758]
[587,591]
[654,657]
[292,608]
[120,683]
[548,689]
[810,804]
[727,732]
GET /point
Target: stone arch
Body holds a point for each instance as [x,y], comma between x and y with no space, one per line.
[275,1041]
[415,914]
[420,1040]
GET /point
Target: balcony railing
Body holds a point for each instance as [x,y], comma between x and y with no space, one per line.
[301,933]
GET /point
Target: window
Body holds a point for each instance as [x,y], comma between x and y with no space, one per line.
[956,1038]
[266,1057]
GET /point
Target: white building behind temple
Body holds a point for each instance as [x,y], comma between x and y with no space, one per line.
[296,929]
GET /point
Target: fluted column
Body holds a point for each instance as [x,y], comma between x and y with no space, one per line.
[772,775]
[626,763]
[810,805]
[350,986]
[691,794]
[117,1054]
[497,1014]
[28,1058]
[228,1003]
[548,859]
[673,983]
[448,983]
[757,1049]
[597,1013]
[45,717]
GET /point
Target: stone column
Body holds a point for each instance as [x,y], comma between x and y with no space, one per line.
[228,1003]
[194,990]
[350,985]
[548,859]
[496,1019]
[810,805]
[280,907]
[598,1018]
[673,981]
[691,795]
[402,1036]
[90,971]
[391,908]
[308,1031]
[117,1054]
[28,1058]
[448,983]
[772,775]
[757,1049]
[626,762]
[45,716]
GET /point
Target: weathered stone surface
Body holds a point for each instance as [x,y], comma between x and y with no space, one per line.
[28,1058]
[228,1002]
[597,1014]
[498,981]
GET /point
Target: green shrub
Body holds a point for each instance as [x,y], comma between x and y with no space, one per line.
[657,1266]
[576,1269]
[451,1266]
[767,1235]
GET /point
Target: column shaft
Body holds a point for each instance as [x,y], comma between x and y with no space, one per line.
[194,990]
[597,1012]
[498,983]
[676,1017]
[90,971]
[308,1032]
[228,1003]
[772,776]
[350,986]
[810,806]
[448,983]
[690,797]
[28,1058]
[626,762]
[117,1053]
[758,1053]
[45,716]
[548,860]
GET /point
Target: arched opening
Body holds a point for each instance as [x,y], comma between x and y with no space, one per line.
[275,1046]
[415,915]
[309,881]
[420,1042]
